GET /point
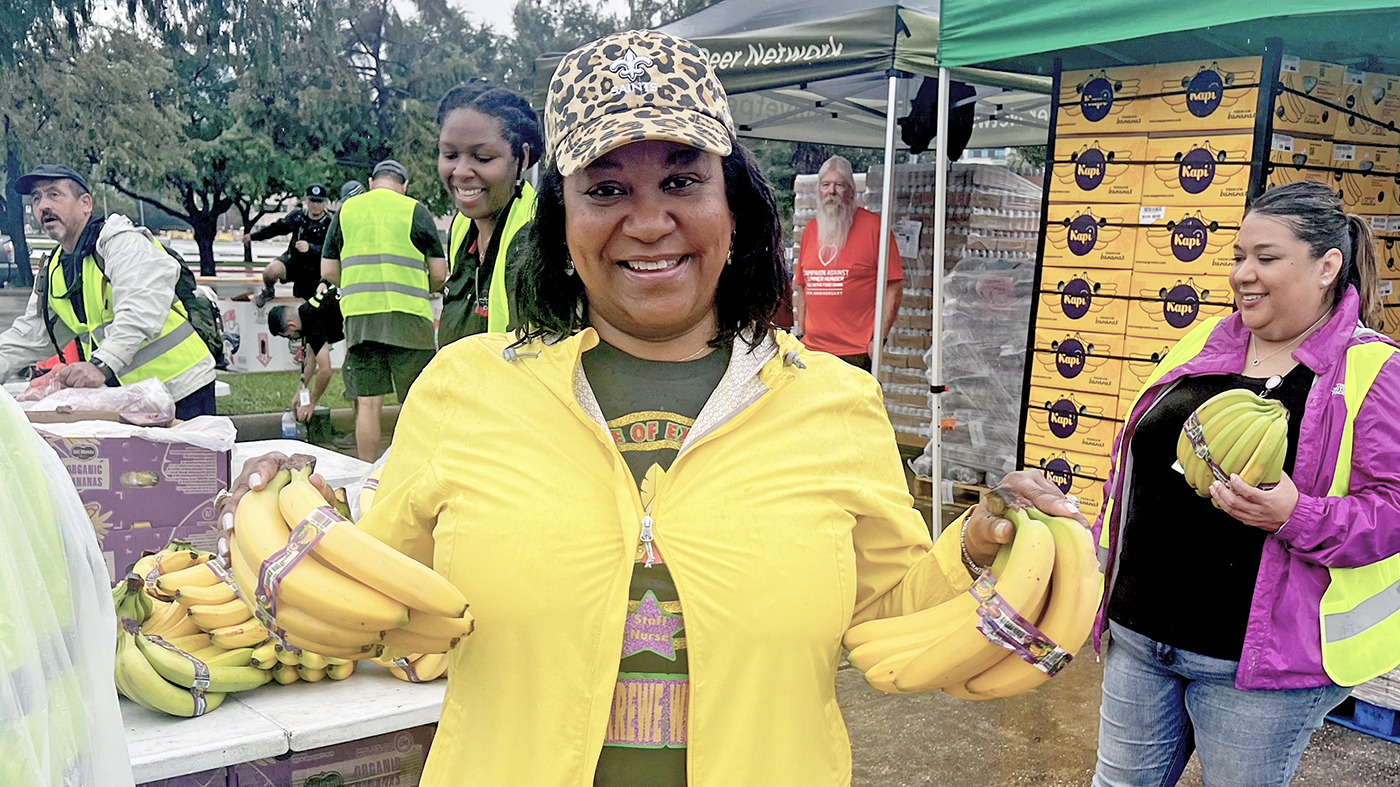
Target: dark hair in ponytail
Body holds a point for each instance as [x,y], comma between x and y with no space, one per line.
[1317,218]
[519,124]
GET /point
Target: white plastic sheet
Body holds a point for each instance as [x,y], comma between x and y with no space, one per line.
[148,396]
[59,720]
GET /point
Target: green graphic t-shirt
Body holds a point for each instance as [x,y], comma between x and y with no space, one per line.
[650,407]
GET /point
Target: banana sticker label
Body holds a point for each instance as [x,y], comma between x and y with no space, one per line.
[1101,100]
[1199,242]
[1216,95]
[1082,300]
[1107,170]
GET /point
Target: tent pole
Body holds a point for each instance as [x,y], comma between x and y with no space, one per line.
[940,228]
[886,217]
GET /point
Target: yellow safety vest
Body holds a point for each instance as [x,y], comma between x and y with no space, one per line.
[381,270]
[1360,610]
[522,212]
[176,350]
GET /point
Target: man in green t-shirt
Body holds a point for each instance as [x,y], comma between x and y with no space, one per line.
[392,260]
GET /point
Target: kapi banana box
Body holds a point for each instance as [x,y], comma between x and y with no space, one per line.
[1299,107]
[1204,95]
[1168,306]
[1071,420]
[1077,473]
[1390,308]
[1103,100]
[1198,171]
[1293,159]
[1090,236]
[1385,238]
[1098,170]
[1089,362]
[392,758]
[1083,300]
[1372,101]
[1187,241]
[1140,359]
[1369,177]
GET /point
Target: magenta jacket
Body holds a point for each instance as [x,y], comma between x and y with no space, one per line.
[1283,640]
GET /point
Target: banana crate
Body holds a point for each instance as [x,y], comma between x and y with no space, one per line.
[1090,236]
[1088,362]
[1187,241]
[1083,300]
[1071,420]
[1103,100]
[1292,159]
[1369,182]
[1198,171]
[1078,473]
[1203,95]
[1167,306]
[1372,102]
[1310,113]
[1099,170]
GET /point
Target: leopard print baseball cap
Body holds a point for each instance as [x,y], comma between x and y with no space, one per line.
[633,86]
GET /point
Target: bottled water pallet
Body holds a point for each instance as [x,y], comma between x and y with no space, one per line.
[1363,716]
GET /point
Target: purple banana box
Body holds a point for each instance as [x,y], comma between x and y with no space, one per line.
[215,778]
[391,760]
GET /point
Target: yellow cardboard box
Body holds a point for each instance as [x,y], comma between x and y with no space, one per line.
[1385,233]
[1077,473]
[1083,300]
[1368,185]
[1167,306]
[1302,114]
[1369,98]
[1204,95]
[1090,236]
[1098,169]
[1292,159]
[1103,100]
[1187,241]
[1198,171]
[1390,308]
[1089,362]
[1071,420]
[1140,358]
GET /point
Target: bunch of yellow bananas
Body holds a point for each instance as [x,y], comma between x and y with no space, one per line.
[1238,432]
[170,658]
[1048,576]
[332,589]
[289,666]
[415,667]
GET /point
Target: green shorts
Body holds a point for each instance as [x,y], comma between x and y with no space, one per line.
[376,369]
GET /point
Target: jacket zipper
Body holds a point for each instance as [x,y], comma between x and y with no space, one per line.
[647,541]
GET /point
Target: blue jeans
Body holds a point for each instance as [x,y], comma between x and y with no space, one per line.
[1161,703]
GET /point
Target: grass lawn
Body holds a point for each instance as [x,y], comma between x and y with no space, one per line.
[271,392]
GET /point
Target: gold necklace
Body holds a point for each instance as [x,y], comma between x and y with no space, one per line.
[1257,360]
[695,354]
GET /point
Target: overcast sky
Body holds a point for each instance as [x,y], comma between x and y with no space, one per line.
[497,12]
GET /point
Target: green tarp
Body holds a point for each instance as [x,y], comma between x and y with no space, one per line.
[1020,36]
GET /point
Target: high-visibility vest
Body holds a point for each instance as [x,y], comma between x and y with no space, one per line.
[522,211]
[174,351]
[380,269]
[1360,610]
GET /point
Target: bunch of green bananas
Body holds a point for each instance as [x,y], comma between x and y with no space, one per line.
[1048,574]
[165,662]
[1239,433]
[349,596]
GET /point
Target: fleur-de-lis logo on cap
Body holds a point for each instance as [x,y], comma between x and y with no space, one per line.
[630,66]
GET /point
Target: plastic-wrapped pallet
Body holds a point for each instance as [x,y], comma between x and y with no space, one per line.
[1383,691]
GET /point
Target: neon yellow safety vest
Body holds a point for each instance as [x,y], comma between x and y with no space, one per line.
[380,269]
[522,212]
[176,350]
[1360,610]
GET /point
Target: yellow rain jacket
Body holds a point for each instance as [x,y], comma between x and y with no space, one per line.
[784,519]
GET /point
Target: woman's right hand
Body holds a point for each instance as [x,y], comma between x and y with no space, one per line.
[254,476]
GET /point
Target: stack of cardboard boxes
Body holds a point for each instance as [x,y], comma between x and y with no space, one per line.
[1149,178]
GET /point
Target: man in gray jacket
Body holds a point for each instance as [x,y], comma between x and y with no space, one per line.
[110,289]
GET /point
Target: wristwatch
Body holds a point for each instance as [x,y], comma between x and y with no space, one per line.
[104,368]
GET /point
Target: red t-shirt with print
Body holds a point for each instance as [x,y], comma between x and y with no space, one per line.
[839,293]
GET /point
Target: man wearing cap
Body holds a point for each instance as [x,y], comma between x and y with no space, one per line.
[384,252]
[301,262]
[833,289]
[111,287]
[350,189]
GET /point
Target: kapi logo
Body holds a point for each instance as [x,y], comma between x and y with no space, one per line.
[1189,238]
[1075,298]
[1060,473]
[1196,169]
[1062,418]
[1089,169]
[1096,98]
[1205,90]
[631,67]
[1180,305]
[1083,233]
[1069,358]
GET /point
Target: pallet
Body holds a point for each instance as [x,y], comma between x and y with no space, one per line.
[964,495]
[1373,720]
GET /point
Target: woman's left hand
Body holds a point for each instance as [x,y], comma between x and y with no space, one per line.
[1264,509]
